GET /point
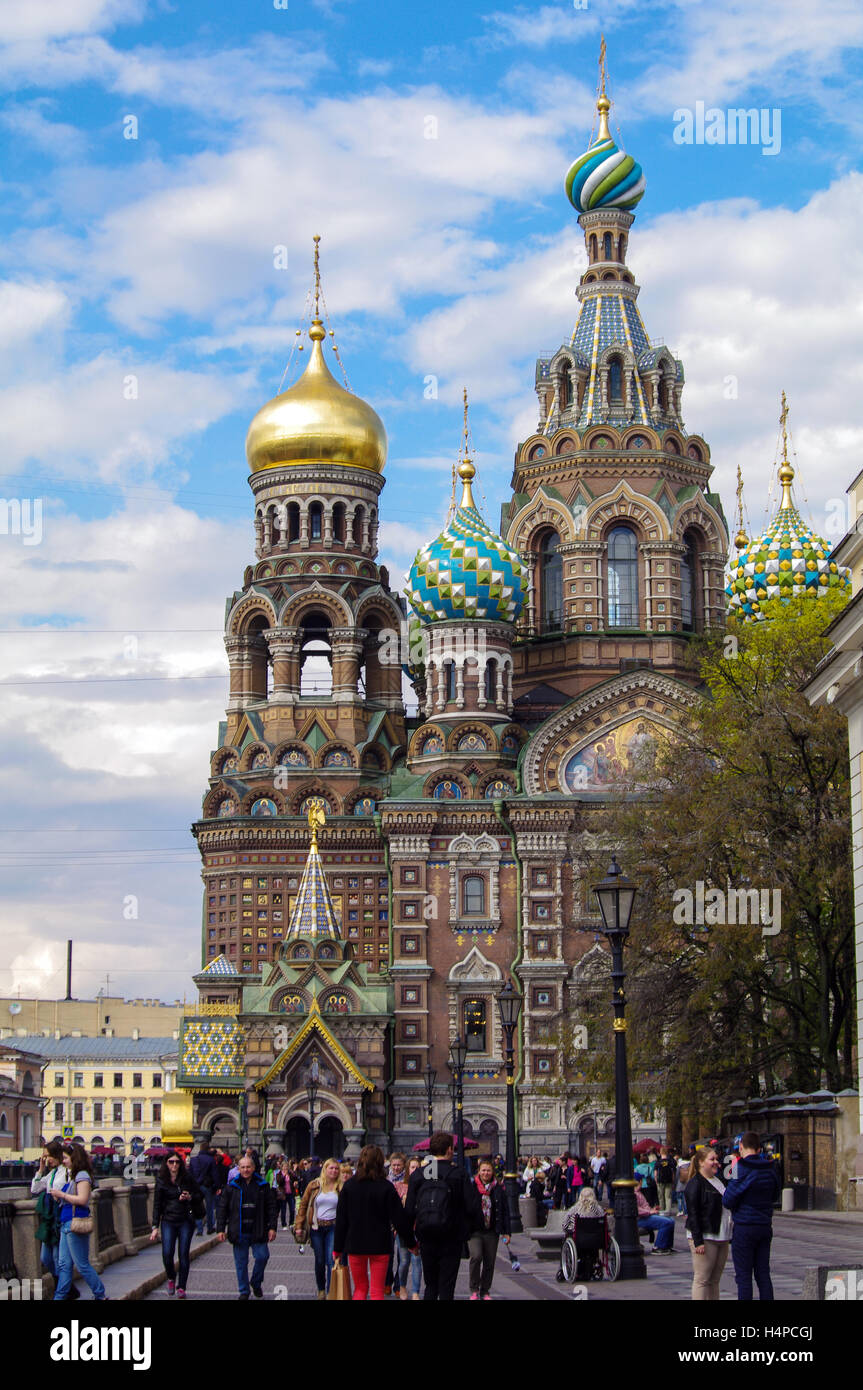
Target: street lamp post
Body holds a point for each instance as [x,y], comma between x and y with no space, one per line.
[509,1007]
[458,1057]
[453,1095]
[616,895]
[430,1076]
[312,1093]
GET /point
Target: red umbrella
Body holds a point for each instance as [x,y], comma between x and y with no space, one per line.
[645,1145]
[424,1143]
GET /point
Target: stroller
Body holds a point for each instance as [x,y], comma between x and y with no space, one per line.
[588,1251]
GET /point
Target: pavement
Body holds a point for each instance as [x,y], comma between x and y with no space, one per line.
[800,1239]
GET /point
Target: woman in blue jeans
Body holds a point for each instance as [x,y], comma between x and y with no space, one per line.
[408,1262]
[318,1212]
[74,1198]
[177,1200]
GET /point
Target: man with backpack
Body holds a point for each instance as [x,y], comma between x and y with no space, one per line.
[443,1206]
[203,1168]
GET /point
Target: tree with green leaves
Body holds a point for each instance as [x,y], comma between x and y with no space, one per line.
[744,812]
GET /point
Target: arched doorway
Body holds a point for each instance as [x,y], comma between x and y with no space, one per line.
[297,1137]
[223,1134]
[330,1138]
[489,1139]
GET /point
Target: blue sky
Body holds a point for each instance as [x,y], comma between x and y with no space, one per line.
[455,256]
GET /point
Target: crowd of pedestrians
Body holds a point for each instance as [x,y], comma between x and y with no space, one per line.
[401,1226]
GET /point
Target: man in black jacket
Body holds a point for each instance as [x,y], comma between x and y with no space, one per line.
[202,1167]
[443,1207]
[751,1196]
[248,1211]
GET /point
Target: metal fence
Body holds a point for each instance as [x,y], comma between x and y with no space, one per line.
[7,1253]
[139,1209]
[106,1233]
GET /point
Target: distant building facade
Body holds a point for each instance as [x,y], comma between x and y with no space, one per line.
[20,1102]
[109,1091]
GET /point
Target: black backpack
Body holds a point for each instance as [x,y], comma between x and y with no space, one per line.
[434,1209]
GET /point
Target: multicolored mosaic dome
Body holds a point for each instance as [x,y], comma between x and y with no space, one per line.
[605,176]
[787,561]
[468,572]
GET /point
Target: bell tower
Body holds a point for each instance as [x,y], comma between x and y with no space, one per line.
[315,712]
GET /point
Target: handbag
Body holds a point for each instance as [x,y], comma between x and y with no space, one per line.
[302,1236]
[340,1284]
[81,1225]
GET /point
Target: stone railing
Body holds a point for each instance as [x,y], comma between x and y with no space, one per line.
[121,1227]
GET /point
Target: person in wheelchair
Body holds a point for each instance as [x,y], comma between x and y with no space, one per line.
[590,1235]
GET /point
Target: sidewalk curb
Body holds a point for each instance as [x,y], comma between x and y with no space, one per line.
[148,1285]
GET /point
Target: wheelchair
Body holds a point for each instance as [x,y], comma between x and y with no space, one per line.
[588,1251]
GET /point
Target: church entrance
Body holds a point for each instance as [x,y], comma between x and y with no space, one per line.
[489,1139]
[330,1140]
[297,1137]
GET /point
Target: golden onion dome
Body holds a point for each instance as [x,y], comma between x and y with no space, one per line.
[316,421]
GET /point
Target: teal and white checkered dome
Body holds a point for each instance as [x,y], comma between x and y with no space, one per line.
[787,561]
[468,572]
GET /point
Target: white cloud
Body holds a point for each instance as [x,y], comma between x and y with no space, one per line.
[84,762]
[41,19]
[549,24]
[87,416]
[29,310]
[205,241]
[779,47]
[30,122]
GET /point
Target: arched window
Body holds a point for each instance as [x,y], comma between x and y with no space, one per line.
[473,1019]
[316,521]
[606,246]
[357,529]
[565,388]
[622,578]
[593,246]
[316,656]
[615,379]
[449,681]
[4,1123]
[490,682]
[339,513]
[551,583]
[689,587]
[473,895]
[293,521]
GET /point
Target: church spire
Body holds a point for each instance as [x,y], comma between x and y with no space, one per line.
[313,914]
